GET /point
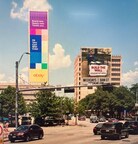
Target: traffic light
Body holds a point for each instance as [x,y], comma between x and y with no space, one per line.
[108,87]
[68,90]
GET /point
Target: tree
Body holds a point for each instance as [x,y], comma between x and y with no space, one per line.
[67,105]
[124,99]
[134,88]
[47,104]
[7,97]
[99,102]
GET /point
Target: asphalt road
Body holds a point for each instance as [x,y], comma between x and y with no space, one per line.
[80,134]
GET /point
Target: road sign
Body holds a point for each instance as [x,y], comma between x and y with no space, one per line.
[1,133]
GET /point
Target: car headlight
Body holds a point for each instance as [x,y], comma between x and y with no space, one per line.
[10,134]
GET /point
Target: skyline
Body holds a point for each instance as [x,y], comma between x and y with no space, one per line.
[72,25]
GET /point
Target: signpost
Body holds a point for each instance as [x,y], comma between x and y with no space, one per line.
[1,133]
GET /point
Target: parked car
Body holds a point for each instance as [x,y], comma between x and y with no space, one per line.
[114,130]
[82,118]
[26,133]
[26,120]
[102,119]
[132,126]
[94,119]
[112,120]
[51,121]
[97,128]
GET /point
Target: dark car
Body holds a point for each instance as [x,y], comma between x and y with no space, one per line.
[26,133]
[97,128]
[82,118]
[26,120]
[114,130]
[132,126]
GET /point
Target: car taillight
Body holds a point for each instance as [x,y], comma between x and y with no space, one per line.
[133,126]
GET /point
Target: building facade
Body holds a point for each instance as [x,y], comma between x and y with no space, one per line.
[28,95]
[105,68]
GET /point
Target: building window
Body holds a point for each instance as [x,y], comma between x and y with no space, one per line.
[115,79]
[90,87]
[79,97]
[115,74]
[116,60]
[115,83]
[116,65]
[115,69]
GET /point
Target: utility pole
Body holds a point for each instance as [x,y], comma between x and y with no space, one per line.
[136,105]
[17,89]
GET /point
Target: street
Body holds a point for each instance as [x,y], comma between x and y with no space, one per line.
[80,134]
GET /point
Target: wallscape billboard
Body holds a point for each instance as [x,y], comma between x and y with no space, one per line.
[38,46]
[96,65]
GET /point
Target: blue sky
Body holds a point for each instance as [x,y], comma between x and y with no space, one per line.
[72,25]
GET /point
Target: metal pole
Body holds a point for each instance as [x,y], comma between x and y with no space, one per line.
[17,89]
[16,99]
[136,104]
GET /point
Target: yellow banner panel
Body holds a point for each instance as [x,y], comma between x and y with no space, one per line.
[38,75]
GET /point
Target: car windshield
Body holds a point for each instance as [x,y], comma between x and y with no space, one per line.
[23,127]
[99,125]
[26,118]
[108,125]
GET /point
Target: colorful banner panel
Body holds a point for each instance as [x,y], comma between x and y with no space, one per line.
[38,43]
[96,65]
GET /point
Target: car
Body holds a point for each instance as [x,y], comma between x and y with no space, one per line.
[132,126]
[97,128]
[112,120]
[82,118]
[52,121]
[26,133]
[114,130]
[94,119]
[26,120]
[102,119]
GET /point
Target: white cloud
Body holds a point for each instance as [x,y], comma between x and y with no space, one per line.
[135,63]
[2,76]
[23,78]
[130,78]
[25,69]
[22,13]
[59,59]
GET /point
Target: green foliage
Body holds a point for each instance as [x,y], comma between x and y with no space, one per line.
[7,98]
[119,99]
[47,104]
[134,89]
[124,98]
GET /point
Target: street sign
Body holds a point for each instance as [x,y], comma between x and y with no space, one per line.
[1,133]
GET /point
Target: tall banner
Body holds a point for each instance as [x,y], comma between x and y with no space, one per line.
[38,44]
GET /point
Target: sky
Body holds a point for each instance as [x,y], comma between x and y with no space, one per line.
[72,24]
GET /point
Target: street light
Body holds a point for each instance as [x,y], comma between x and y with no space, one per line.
[16,98]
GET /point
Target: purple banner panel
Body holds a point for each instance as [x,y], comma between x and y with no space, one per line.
[38,20]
